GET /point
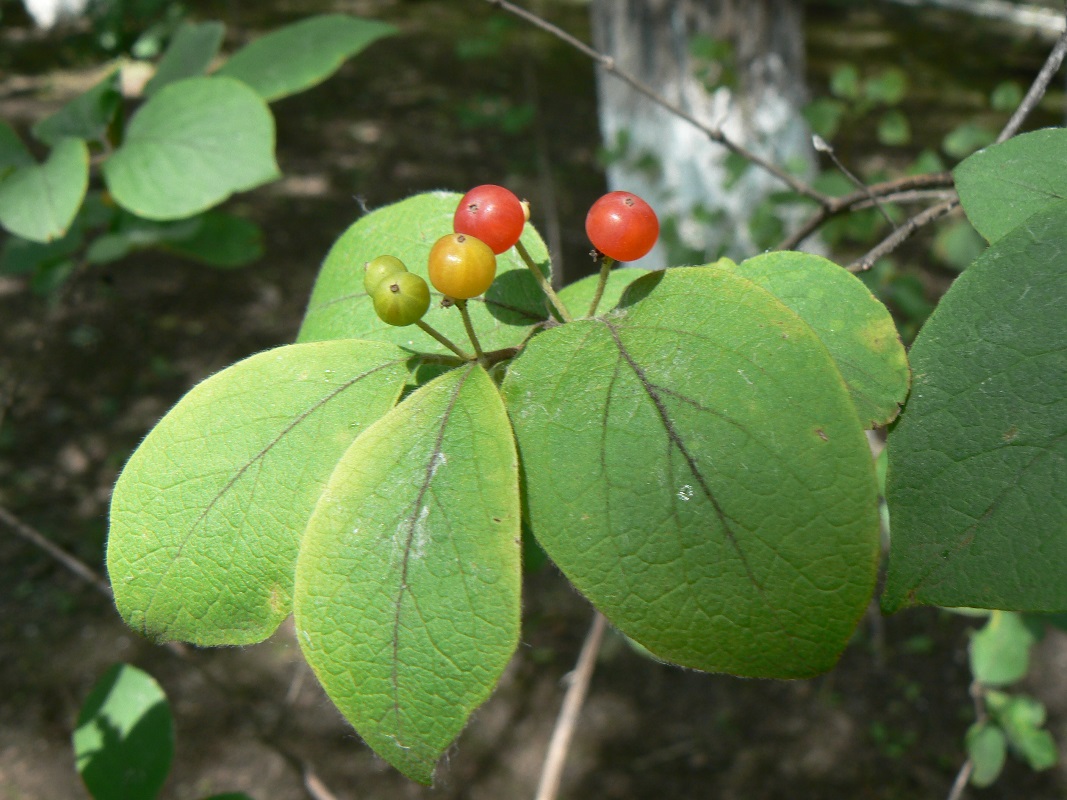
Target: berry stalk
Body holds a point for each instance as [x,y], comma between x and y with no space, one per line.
[436,334]
[542,281]
[605,269]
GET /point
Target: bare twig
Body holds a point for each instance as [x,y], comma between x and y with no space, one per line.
[822,146]
[960,784]
[858,199]
[1037,89]
[901,234]
[977,692]
[552,772]
[607,63]
[74,564]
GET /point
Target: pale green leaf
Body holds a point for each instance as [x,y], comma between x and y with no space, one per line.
[207,516]
[1000,651]
[978,461]
[124,741]
[694,465]
[189,54]
[1005,183]
[39,201]
[190,147]
[987,747]
[339,307]
[855,328]
[407,586]
[303,54]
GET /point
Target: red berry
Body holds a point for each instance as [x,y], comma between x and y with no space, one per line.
[622,226]
[490,213]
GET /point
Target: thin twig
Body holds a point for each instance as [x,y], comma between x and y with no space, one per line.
[543,282]
[436,334]
[822,146]
[981,715]
[471,333]
[960,784]
[607,63]
[850,202]
[552,772]
[901,234]
[74,564]
[1037,89]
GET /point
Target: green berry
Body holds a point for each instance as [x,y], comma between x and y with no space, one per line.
[376,271]
[401,299]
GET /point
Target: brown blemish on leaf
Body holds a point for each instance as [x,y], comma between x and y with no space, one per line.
[1011,433]
[822,434]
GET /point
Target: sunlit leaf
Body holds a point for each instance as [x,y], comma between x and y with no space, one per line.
[39,201]
[407,586]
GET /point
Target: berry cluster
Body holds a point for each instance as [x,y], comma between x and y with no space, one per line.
[488,222]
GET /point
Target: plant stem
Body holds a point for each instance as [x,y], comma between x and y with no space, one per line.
[443,340]
[462,306]
[542,281]
[552,772]
[605,268]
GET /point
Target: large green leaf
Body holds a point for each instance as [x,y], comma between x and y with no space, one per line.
[693,463]
[339,307]
[978,461]
[302,55]
[856,329]
[207,516]
[215,238]
[39,201]
[86,116]
[578,296]
[1005,183]
[189,54]
[190,147]
[407,586]
[124,741]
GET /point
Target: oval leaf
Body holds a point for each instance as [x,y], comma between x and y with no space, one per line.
[987,747]
[39,201]
[1000,651]
[207,515]
[1004,184]
[694,465]
[190,147]
[124,741]
[340,308]
[977,461]
[856,329]
[189,54]
[407,586]
[302,55]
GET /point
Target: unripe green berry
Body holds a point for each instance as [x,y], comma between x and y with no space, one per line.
[376,271]
[401,299]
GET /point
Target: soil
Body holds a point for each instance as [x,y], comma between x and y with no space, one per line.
[87,370]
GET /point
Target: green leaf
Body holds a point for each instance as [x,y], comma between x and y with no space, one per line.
[407,586]
[845,82]
[887,88]
[1022,719]
[976,463]
[215,238]
[124,741]
[855,328]
[13,152]
[189,54]
[39,202]
[1003,185]
[824,115]
[987,747]
[1006,96]
[694,465]
[1000,651]
[190,147]
[339,307]
[207,516]
[87,116]
[958,244]
[302,55]
[894,130]
[579,295]
[966,138]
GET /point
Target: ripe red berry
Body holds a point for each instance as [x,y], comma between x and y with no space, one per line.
[490,213]
[622,226]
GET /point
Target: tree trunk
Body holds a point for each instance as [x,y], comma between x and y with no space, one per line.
[755,93]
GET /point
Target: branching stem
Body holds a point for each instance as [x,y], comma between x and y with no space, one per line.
[436,334]
[542,281]
[462,306]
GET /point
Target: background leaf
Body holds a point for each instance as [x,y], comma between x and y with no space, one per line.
[1004,184]
[39,201]
[695,467]
[190,147]
[189,54]
[855,328]
[987,747]
[303,54]
[85,117]
[978,461]
[13,152]
[124,741]
[407,587]
[339,308]
[1000,651]
[207,516]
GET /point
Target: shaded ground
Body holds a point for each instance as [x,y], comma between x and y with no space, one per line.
[85,374]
